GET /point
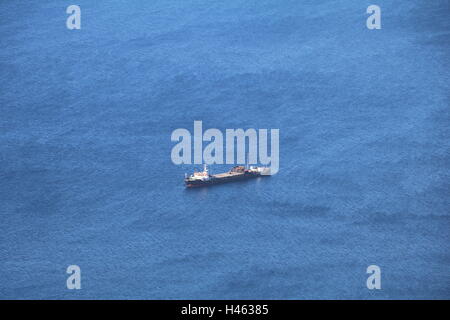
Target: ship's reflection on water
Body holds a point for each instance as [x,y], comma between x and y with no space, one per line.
[198,193]
[201,193]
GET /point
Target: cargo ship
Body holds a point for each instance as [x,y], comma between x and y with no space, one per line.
[204,178]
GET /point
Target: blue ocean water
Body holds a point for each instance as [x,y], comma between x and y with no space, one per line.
[87,179]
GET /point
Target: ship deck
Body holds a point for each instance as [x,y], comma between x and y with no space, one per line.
[227,174]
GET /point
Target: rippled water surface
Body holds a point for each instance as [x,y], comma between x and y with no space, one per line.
[87,179]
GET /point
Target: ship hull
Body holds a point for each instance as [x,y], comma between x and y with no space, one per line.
[219,179]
